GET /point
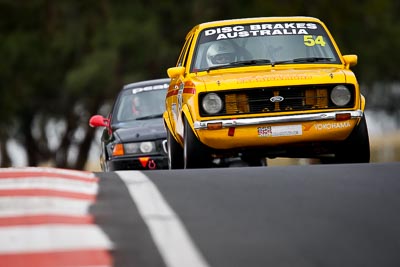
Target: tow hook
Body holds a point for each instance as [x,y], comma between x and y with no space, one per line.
[152,165]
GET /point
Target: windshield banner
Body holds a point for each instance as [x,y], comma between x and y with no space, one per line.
[255,30]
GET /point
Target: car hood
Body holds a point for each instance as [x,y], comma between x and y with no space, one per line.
[140,130]
[231,79]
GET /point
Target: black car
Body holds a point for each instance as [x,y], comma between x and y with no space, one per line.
[134,137]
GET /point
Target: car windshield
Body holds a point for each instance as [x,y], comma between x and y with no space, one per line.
[263,44]
[139,104]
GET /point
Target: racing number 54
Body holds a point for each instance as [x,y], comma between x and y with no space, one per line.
[310,41]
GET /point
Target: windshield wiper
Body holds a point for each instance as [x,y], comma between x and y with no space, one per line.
[281,62]
[311,59]
[218,67]
[149,117]
[250,62]
[302,60]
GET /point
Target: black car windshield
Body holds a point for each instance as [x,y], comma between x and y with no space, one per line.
[263,44]
[134,104]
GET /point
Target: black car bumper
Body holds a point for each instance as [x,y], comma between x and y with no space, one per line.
[138,163]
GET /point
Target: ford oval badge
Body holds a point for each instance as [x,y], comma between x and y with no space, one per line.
[277,98]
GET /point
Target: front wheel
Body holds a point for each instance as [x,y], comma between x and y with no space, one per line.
[195,153]
[175,152]
[355,149]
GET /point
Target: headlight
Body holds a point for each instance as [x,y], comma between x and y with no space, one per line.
[340,95]
[147,147]
[212,103]
[138,148]
[131,148]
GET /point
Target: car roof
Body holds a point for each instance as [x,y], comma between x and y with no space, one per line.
[260,19]
[146,83]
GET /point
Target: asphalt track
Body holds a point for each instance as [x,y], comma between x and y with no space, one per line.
[311,215]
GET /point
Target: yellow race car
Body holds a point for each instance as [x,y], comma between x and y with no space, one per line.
[262,88]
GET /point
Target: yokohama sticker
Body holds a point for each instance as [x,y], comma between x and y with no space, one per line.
[275,131]
[331,126]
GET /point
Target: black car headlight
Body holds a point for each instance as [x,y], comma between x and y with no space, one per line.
[212,103]
[340,95]
[139,148]
[147,147]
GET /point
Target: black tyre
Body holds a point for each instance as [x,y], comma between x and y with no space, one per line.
[195,153]
[356,147]
[175,152]
[255,161]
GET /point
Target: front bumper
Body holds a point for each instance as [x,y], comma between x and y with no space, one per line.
[138,163]
[226,123]
[278,131]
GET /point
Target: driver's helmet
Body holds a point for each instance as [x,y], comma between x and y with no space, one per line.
[136,105]
[220,53]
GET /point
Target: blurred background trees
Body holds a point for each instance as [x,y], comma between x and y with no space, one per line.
[63,61]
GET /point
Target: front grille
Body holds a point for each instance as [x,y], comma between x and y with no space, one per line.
[277,99]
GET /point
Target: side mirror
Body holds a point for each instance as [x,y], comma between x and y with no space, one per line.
[99,121]
[176,72]
[350,60]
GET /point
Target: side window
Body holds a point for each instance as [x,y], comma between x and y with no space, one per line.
[184,53]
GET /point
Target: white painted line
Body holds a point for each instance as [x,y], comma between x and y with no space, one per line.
[46,238]
[168,232]
[20,206]
[45,183]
